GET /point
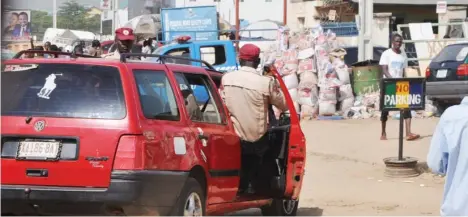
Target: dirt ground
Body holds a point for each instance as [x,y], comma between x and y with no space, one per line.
[344,173]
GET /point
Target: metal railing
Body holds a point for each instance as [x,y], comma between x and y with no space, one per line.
[218,33]
[342,29]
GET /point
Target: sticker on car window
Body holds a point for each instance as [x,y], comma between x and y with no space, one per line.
[462,54]
[22,67]
[48,87]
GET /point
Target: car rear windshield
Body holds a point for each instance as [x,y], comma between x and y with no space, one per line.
[452,53]
[62,90]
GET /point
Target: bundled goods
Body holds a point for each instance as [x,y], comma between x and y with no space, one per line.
[306,65]
[308,79]
[291,81]
[327,108]
[346,92]
[328,95]
[308,96]
[309,112]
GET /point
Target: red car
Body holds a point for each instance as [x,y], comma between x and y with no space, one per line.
[89,136]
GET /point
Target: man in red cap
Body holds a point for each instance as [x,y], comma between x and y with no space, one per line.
[248,95]
[124,39]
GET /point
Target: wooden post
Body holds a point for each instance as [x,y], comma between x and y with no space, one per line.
[285,12]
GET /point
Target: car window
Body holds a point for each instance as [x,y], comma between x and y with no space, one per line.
[179,52]
[200,100]
[62,90]
[452,53]
[157,98]
[214,55]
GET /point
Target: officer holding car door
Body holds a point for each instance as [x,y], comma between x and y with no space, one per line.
[248,94]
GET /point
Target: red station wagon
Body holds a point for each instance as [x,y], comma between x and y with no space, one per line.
[89,136]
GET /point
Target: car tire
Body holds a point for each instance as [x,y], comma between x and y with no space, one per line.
[281,207]
[191,200]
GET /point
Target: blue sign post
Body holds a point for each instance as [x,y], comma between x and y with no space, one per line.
[200,23]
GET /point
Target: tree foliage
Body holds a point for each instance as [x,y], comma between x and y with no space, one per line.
[71,15]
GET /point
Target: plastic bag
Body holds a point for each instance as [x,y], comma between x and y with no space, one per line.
[291,81]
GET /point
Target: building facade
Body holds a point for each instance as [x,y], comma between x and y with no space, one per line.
[249,10]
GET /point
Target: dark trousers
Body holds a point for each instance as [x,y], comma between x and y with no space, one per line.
[252,158]
[384,116]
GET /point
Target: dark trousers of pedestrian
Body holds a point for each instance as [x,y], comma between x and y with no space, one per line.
[384,115]
[252,158]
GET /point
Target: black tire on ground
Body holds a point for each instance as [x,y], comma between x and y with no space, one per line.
[191,187]
[280,207]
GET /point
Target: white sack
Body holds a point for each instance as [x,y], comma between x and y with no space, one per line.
[291,81]
[293,94]
[346,91]
[327,108]
[347,104]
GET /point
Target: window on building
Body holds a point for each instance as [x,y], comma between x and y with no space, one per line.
[200,100]
[214,55]
[156,95]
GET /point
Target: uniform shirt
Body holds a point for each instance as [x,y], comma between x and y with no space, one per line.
[448,155]
[247,95]
[396,62]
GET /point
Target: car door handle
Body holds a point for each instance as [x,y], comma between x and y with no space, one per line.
[202,137]
[37,172]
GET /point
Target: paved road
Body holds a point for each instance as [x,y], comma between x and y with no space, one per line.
[344,173]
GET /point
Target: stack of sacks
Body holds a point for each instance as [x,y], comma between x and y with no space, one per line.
[308,90]
[327,101]
[287,67]
[346,98]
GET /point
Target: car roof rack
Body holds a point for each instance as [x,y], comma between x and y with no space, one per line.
[162,58]
[73,55]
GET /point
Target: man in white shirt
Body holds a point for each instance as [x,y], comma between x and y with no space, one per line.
[394,62]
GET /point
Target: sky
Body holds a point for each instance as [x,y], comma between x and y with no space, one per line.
[47,5]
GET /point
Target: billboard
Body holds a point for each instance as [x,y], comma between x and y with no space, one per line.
[16,25]
[200,23]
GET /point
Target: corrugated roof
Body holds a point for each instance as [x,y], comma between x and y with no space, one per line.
[418,2]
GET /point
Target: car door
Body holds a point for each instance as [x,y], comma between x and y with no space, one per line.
[161,119]
[295,154]
[220,144]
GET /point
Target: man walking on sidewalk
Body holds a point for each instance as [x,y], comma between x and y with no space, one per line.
[394,62]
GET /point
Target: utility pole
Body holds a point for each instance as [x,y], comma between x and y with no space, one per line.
[237,25]
[115,12]
[365,25]
[285,12]
[54,14]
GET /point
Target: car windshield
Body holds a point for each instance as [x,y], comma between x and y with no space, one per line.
[62,90]
[452,53]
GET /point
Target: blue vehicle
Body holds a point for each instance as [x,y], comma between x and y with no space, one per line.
[220,54]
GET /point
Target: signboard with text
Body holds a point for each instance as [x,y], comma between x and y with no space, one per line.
[403,93]
[200,23]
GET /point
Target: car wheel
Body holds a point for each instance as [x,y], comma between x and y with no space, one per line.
[281,207]
[191,200]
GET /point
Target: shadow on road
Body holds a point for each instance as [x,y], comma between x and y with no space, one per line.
[309,211]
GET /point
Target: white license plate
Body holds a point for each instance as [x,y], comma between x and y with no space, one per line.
[442,73]
[38,150]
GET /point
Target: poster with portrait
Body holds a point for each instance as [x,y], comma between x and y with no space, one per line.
[16,25]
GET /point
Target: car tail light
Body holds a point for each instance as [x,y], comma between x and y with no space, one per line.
[129,153]
[428,72]
[462,70]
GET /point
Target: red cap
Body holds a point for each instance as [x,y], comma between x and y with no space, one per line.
[249,52]
[125,34]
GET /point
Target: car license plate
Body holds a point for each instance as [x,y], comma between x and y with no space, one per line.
[38,150]
[442,73]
